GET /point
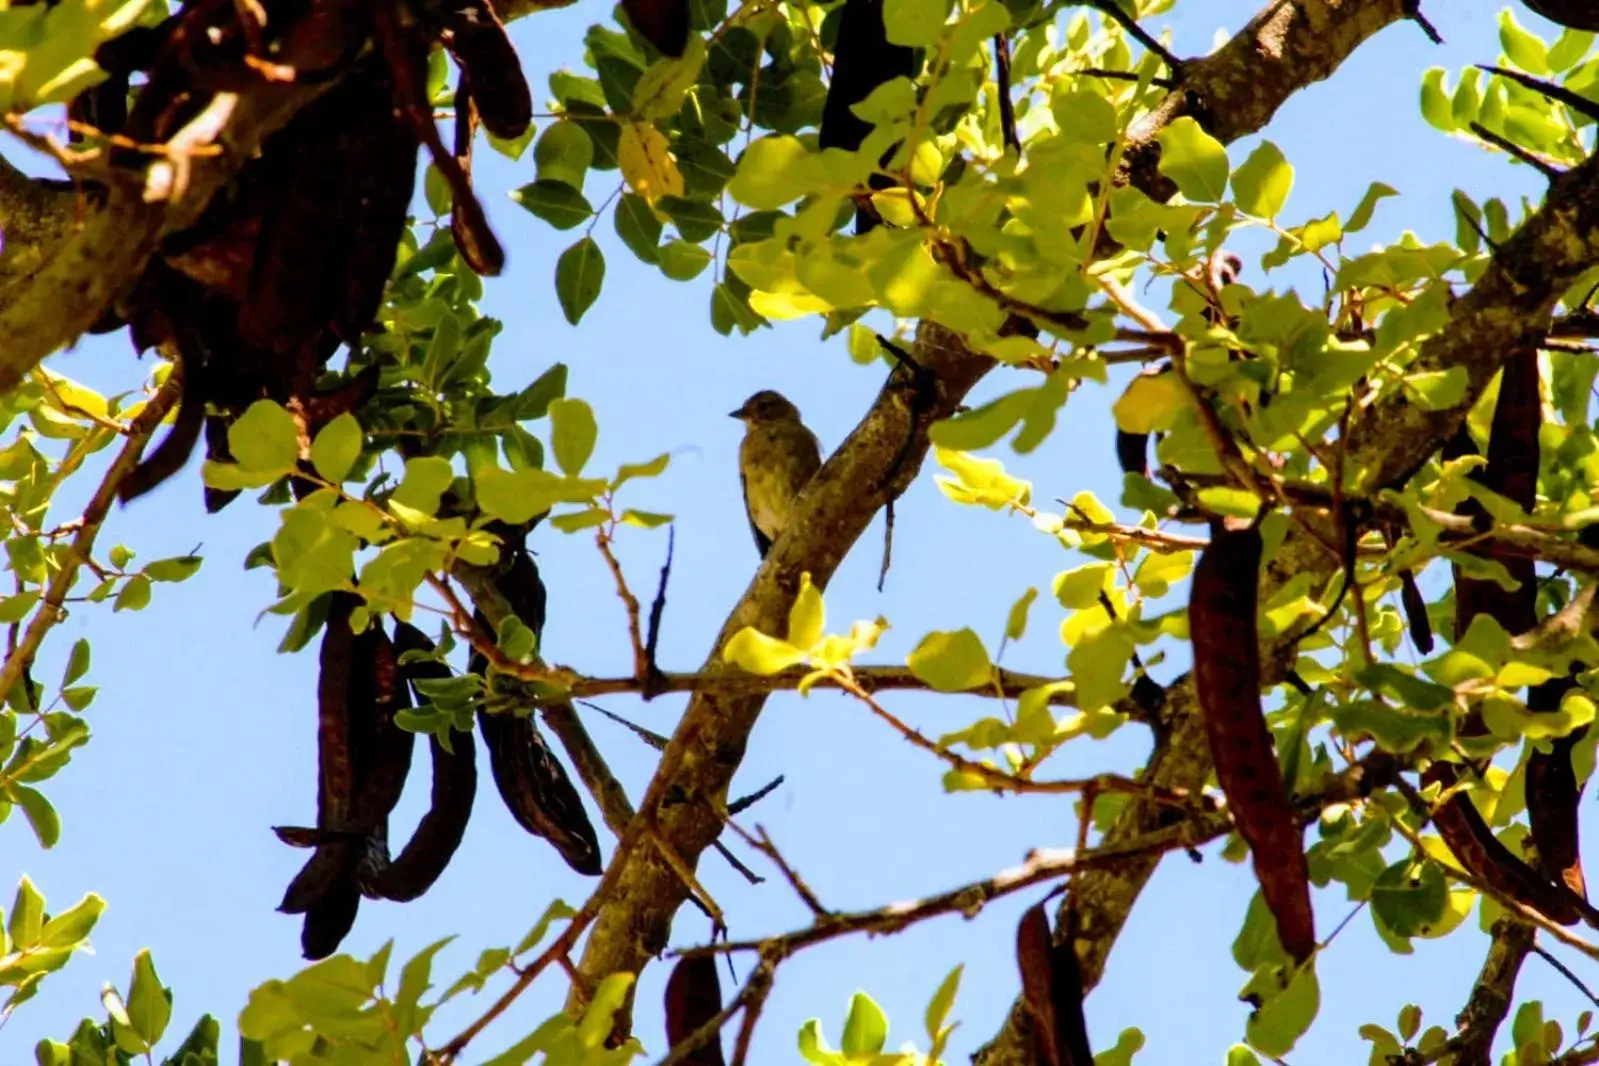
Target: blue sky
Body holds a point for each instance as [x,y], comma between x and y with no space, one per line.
[204,736]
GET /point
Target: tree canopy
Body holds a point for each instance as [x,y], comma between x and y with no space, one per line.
[1333,625]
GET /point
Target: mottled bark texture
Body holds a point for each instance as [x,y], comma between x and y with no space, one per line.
[708,745]
[52,290]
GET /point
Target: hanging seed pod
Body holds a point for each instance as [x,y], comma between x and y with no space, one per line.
[1221,613]
[1052,991]
[693,999]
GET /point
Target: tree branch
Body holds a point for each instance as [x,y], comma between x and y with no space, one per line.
[66,274]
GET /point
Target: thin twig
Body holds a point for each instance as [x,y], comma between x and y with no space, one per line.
[139,431]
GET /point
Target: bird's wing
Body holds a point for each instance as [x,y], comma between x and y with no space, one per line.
[762,541]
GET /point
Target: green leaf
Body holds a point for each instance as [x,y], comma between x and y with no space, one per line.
[772,172]
[564,153]
[1282,1019]
[914,23]
[608,999]
[77,662]
[1438,390]
[951,661]
[265,439]
[555,202]
[149,1004]
[1526,50]
[337,447]
[579,273]
[1195,160]
[982,426]
[808,615]
[14,609]
[1410,897]
[1016,620]
[27,916]
[1262,184]
[42,817]
[1361,217]
[866,1027]
[754,652]
[516,496]
[71,927]
[426,479]
[1241,1055]
[534,401]
[659,93]
[180,568]
[573,432]
[1079,588]
[682,261]
[135,594]
[638,227]
[555,912]
[943,1000]
[1436,107]
[628,471]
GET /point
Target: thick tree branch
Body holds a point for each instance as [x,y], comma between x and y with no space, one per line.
[1514,298]
[708,745]
[58,273]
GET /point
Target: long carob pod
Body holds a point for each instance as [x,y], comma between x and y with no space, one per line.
[325,890]
[535,788]
[532,782]
[350,837]
[1221,618]
[863,59]
[1511,471]
[693,1000]
[1052,992]
[438,835]
[1554,795]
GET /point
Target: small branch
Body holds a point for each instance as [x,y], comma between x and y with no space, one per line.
[50,613]
[1544,166]
[641,657]
[1153,539]
[1580,104]
[657,609]
[1489,1002]
[762,842]
[1114,12]
[999,780]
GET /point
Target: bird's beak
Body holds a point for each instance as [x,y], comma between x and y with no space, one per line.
[739,414]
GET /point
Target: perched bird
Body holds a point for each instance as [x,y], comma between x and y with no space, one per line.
[777,459]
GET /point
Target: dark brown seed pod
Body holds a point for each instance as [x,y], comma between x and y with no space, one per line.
[168,457]
[484,52]
[663,23]
[1132,452]
[1221,613]
[1573,14]
[329,921]
[524,590]
[863,59]
[1415,608]
[1052,991]
[384,750]
[216,450]
[1462,827]
[536,790]
[693,999]
[466,119]
[407,58]
[1554,795]
[440,832]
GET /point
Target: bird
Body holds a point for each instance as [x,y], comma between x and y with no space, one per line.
[776,460]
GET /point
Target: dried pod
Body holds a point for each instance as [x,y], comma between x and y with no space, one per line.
[863,59]
[407,58]
[536,790]
[1572,14]
[1132,452]
[693,999]
[1221,612]
[439,833]
[1415,608]
[663,23]
[487,58]
[1052,991]
[1554,795]
[1462,827]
